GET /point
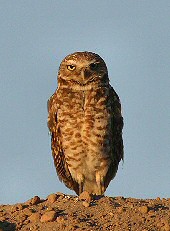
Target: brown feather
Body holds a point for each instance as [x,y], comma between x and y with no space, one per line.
[56,146]
[85,122]
[117,141]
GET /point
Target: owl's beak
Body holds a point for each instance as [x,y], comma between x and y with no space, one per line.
[85,74]
[82,74]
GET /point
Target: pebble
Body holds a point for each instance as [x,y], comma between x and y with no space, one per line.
[60,194]
[144,209]
[18,207]
[48,216]
[3,219]
[164,224]
[86,204]
[131,206]
[27,211]
[85,196]
[35,200]
[34,227]
[111,214]
[34,217]
[25,222]
[13,208]
[69,228]
[60,219]
[52,198]
[21,217]
[49,209]
[121,209]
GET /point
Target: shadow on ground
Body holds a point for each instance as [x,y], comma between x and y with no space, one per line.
[7,226]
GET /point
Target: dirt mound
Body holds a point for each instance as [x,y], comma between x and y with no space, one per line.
[65,212]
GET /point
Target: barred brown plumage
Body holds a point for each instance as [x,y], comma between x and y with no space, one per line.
[85,122]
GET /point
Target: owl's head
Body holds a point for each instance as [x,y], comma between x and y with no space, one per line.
[81,70]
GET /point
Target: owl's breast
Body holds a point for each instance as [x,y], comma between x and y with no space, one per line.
[70,116]
[97,122]
[85,124]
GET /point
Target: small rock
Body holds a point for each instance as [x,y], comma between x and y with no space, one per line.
[111,214]
[60,219]
[70,227]
[49,209]
[60,194]
[21,217]
[34,227]
[144,209]
[48,216]
[120,209]
[85,196]
[2,219]
[86,204]
[13,208]
[35,200]
[34,217]
[27,211]
[52,198]
[25,222]
[18,207]
[76,199]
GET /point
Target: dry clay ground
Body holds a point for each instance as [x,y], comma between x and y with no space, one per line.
[65,212]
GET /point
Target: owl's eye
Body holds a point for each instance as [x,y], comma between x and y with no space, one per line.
[71,67]
[93,66]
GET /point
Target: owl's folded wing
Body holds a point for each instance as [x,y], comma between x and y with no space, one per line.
[56,146]
[117,152]
[117,126]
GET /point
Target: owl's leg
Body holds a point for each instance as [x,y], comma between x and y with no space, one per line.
[80,187]
[80,179]
[100,183]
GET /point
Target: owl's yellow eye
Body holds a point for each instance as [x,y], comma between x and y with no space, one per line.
[71,67]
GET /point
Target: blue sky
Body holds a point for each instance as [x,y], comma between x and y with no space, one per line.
[134,39]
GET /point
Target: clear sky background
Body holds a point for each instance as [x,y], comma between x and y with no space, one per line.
[134,39]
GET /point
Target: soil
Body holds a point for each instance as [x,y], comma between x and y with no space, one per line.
[67,212]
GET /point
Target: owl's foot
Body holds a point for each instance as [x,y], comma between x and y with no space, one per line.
[100,184]
[80,180]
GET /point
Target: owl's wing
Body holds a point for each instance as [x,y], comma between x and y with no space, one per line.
[56,145]
[117,152]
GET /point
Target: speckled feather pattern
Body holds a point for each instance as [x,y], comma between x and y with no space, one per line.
[86,124]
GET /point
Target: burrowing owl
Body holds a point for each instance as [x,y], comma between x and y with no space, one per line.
[86,124]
